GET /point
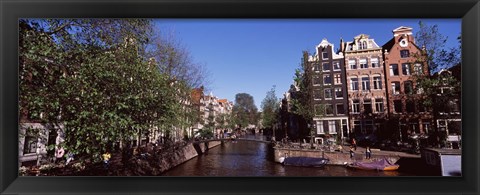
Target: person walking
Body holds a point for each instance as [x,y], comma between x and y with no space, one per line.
[368,153]
[352,153]
[354,144]
[106,160]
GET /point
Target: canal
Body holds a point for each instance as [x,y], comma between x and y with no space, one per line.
[245,158]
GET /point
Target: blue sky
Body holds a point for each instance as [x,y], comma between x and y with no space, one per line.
[252,55]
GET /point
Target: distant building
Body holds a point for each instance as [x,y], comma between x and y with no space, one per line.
[365,80]
[403,61]
[447,108]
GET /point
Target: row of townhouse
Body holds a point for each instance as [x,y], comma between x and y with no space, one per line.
[367,89]
[210,107]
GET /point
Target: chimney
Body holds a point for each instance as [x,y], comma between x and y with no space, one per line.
[342,45]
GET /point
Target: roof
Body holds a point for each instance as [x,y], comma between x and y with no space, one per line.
[388,46]
[197,94]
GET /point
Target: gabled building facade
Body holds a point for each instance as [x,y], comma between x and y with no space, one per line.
[403,61]
[367,98]
[329,92]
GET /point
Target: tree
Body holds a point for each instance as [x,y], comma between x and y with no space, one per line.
[303,104]
[244,110]
[270,110]
[91,76]
[438,57]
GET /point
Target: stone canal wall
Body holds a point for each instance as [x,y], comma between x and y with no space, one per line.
[336,158]
[184,154]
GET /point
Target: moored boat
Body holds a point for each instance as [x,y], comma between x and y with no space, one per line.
[380,165]
[304,161]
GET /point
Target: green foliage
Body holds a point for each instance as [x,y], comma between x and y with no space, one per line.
[244,110]
[91,76]
[270,110]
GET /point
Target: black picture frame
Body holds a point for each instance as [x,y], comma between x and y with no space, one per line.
[11,11]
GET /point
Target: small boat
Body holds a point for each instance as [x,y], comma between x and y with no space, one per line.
[380,165]
[304,161]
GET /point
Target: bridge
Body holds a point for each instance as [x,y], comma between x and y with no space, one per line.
[230,139]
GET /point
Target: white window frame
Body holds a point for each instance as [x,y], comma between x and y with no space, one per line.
[338,89]
[352,84]
[377,84]
[336,66]
[332,127]
[320,129]
[339,79]
[323,68]
[374,62]
[352,63]
[366,84]
[327,75]
[357,105]
[325,93]
[323,55]
[377,105]
[363,63]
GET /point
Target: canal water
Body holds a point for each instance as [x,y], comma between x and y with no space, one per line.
[246,158]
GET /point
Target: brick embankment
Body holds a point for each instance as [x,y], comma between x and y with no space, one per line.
[341,157]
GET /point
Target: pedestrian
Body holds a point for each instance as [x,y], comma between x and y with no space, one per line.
[354,144]
[59,154]
[352,153]
[69,158]
[368,153]
[106,160]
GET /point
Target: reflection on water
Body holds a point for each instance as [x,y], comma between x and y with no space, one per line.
[244,158]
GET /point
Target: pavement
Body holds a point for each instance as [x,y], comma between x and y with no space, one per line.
[377,152]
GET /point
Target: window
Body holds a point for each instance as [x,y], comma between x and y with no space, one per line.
[408,87]
[316,80]
[364,45]
[393,69]
[377,82]
[328,93]
[317,94]
[30,145]
[325,55]
[418,69]
[338,79]
[367,106]
[375,63]
[379,105]
[318,110]
[328,109]
[326,67]
[357,127]
[453,106]
[406,69]
[352,64]
[365,83]
[338,93]
[336,66]
[354,84]
[316,67]
[356,107]
[404,53]
[340,109]
[410,106]
[327,80]
[395,88]
[363,63]
[320,127]
[332,127]
[397,105]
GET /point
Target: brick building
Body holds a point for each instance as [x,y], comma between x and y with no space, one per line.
[367,98]
[403,63]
